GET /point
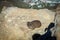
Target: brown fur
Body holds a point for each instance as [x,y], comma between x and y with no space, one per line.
[34,24]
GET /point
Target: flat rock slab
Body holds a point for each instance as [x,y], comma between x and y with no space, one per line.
[13,22]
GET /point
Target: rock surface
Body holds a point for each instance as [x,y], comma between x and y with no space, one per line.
[58,22]
[13,22]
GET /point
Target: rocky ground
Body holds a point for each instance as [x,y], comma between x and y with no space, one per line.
[58,22]
[13,23]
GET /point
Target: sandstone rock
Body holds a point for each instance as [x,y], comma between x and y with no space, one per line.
[58,22]
[13,22]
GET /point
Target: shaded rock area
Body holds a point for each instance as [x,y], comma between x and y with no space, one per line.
[5,4]
[13,23]
[19,3]
[58,22]
[12,3]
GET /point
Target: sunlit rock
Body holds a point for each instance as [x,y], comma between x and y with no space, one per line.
[13,22]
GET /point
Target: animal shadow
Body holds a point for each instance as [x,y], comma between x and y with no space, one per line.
[47,35]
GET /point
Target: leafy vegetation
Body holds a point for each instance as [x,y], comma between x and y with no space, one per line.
[34,4]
